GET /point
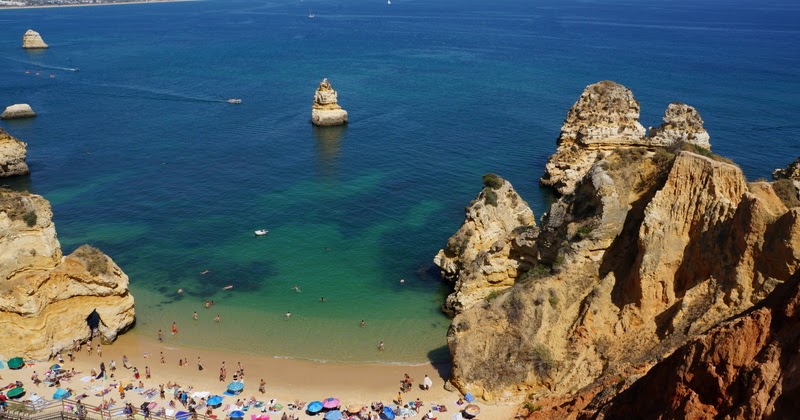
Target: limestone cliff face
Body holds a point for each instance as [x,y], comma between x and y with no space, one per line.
[326,110]
[17,111]
[652,247]
[32,40]
[478,256]
[606,118]
[45,298]
[12,155]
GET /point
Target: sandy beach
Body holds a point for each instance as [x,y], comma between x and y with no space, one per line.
[286,380]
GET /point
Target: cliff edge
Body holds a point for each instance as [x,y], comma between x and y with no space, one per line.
[48,300]
[656,242]
[13,153]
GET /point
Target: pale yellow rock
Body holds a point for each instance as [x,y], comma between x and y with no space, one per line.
[326,111]
[45,298]
[476,257]
[17,111]
[32,40]
[12,155]
[682,124]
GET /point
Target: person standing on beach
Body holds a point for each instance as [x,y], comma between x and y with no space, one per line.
[262,387]
[99,351]
[147,372]
[363,324]
[160,336]
[199,364]
[174,328]
[241,370]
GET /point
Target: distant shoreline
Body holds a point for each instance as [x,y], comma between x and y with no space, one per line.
[48,6]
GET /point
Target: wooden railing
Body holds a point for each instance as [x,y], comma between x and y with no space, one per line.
[66,409]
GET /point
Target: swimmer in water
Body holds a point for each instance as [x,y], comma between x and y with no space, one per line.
[296,288]
[180,290]
[402,281]
[288,315]
[228,287]
[204,272]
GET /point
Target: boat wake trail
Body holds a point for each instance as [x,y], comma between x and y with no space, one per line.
[42,66]
[142,92]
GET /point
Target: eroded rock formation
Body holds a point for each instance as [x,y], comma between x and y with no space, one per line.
[651,247]
[47,300]
[12,155]
[326,110]
[605,118]
[32,40]
[17,111]
[476,257]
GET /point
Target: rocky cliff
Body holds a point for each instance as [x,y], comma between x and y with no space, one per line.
[478,257]
[326,110]
[47,300]
[17,111]
[606,117]
[12,155]
[32,40]
[652,246]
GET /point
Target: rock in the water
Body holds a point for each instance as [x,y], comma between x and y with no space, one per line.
[17,111]
[476,257]
[32,40]
[326,111]
[790,172]
[682,124]
[47,300]
[12,155]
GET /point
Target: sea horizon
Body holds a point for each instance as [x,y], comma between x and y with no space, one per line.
[140,154]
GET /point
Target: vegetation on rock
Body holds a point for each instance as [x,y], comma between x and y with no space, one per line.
[96,262]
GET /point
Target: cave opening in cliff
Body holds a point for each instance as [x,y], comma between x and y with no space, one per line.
[93,320]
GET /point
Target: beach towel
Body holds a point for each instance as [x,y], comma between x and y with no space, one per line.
[152,406]
[170,411]
[2,365]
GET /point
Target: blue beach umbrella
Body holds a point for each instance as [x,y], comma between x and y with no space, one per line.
[237,414]
[55,367]
[314,407]
[388,413]
[235,386]
[214,400]
[334,415]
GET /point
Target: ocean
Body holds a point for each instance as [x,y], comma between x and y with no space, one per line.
[141,156]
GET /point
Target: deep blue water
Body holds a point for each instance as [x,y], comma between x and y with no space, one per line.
[140,155]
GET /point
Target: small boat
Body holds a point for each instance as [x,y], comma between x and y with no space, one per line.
[311,15]
[234,101]
[389,2]
[261,232]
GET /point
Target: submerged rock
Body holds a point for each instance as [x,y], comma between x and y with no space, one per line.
[17,111]
[48,300]
[12,155]
[32,40]
[326,110]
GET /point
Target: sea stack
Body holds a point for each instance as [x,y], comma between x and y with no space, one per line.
[326,111]
[12,155]
[32,40]
[17,111]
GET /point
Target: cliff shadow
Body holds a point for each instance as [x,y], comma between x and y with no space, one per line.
[328,148]
[440,360]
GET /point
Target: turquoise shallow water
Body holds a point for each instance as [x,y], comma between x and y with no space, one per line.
[141,156]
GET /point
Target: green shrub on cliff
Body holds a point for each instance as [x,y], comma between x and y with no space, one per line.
[490,197]
[30,218]
[786,191]
[492,181]
[96,262]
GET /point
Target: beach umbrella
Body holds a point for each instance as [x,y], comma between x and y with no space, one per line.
[238,414]
[16,363]
[354,408]
[61,393]
[314,407]
[388,413]
[235,386]
[469,397]
[472,410]
[16,392]
[214,400]
[334,415]
[55,367]
[330,402]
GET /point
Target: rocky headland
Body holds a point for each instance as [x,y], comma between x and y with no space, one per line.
[326,110]
[32,40]
[12,155]
[47,300]
[653,241]
[17,111]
